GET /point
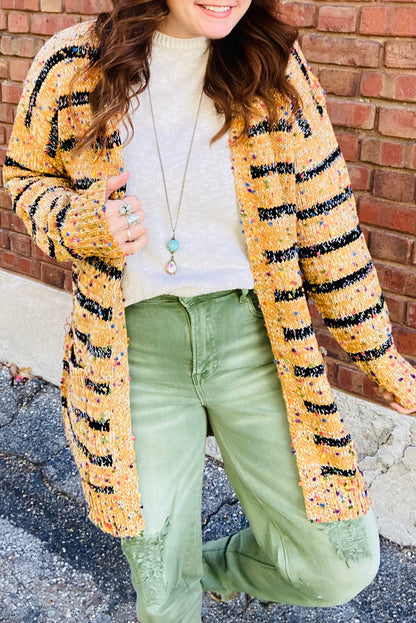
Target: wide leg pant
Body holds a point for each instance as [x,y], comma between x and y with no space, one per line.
[209,356]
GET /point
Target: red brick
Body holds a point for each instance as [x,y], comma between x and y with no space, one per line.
[405,339]
[394,279]
[400,87]
[397,122]
[331,370]
[370,391]
[3,21]
[4,240]
[68,281]
[5,201]
[387,246]
[350,379]
[394,21]
[8,260]
[18,69]
[37,254]
[394,185]
[337,18]
[383,152]
[397,307]
[388,214]
[51,6]
[351,114]
[18,22]
[411,315]
[12,222]
[339,81]
[360,177]
[299,14]
[52,275]
[6,113]
[347,51]
[20,46]
[20,5]
[11,92]
[87,7]
[349,144]
[400,54]
[4,68]
[331,346]
[44,24]
[21,244]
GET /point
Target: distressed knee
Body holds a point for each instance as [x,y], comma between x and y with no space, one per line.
[353,567]
[145,555]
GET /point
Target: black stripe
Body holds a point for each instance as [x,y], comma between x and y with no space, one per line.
[355,319]
[276,167]
[269,214]
[308,371]
[105,490]
[373,353]
[298,334]
[330,245]
[281,256]
[322,409]
[111,271]
[52,145]
[99,388]
[19,195]
[60,56]
[34,206]
[105,313]
[320,440]
[67,144]
[84,183]
[93,424]
[102,461]
[328,470]
[9,162]
[305,176]
[339,284]
[305,73]
[263,127]
[111,141]
[288,295]
[326,206]
[303,124]
[96,351]
[78,98]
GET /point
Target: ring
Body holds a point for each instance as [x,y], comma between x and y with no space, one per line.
[133,219]
[129,234]
[125,208]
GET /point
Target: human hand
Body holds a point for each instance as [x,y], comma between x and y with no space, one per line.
[390,398]
[131,238]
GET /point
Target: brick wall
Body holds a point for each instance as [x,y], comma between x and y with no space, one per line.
[364,53]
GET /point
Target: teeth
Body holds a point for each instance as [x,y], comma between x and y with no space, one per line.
[216,9]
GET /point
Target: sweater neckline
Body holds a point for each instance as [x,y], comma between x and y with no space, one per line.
[162,40]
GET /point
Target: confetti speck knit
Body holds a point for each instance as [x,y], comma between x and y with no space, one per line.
[303,239]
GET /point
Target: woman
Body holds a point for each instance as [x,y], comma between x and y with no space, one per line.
[228,110]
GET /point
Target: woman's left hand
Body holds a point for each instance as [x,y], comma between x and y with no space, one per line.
[390,398]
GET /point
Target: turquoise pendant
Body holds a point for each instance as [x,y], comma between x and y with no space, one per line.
[171,266]
[172,245]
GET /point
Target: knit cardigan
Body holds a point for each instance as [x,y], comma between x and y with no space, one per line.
[303,239]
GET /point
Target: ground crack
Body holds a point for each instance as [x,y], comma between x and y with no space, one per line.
[210,516]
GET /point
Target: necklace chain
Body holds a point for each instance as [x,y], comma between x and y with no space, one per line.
[172,244]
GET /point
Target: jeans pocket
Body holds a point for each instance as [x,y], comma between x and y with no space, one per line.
[253,305]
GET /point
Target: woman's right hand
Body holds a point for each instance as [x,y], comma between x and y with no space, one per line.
[130,238]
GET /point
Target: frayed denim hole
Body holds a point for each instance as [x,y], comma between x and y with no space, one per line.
[145,554]
[349,538]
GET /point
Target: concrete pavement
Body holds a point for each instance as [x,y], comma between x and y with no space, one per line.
[56,566]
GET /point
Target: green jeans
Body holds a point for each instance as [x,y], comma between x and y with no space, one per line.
[209,357]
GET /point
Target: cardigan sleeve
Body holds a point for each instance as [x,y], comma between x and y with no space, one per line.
[66,222]
[337,269]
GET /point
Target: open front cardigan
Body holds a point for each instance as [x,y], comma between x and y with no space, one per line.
[303,239]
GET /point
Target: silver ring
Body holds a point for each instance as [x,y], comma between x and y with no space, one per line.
[129,234]
[125,208]
[133,219]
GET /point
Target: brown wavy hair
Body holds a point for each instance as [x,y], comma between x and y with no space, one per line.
[249,62]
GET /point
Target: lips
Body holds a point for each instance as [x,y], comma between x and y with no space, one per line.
[216,10]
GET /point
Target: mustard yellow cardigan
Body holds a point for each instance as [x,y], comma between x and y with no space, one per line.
[303,239]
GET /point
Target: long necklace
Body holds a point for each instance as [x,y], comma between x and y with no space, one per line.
[172,245]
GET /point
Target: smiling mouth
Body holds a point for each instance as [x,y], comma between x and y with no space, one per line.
[215,8]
